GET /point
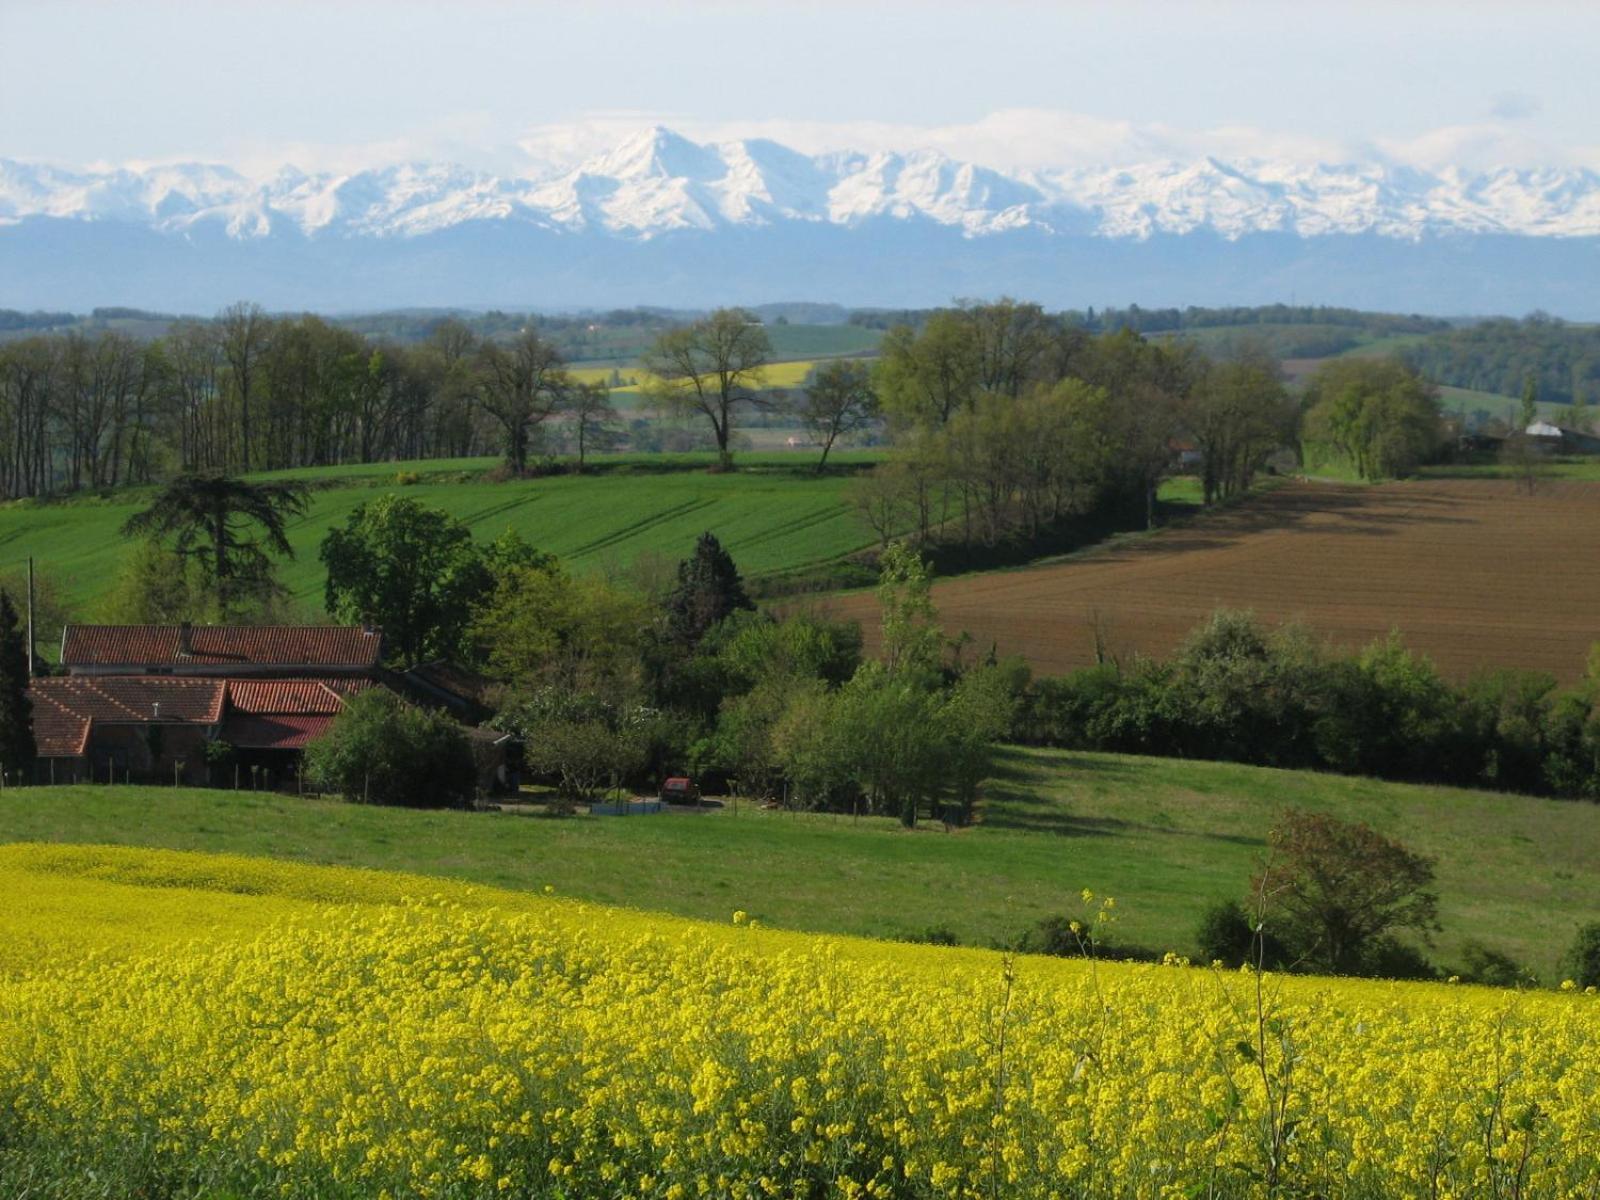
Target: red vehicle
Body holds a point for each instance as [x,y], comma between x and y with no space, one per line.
[680,789]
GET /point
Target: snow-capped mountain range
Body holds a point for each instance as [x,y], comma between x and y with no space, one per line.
[663,219]
[657,182]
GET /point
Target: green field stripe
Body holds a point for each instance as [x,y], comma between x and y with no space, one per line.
[495,510]
[647,523]
[797,525]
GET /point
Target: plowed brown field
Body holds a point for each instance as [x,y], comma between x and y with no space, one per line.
[1473,573]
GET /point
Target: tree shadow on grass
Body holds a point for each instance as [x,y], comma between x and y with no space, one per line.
[1018,797]
[1015,797]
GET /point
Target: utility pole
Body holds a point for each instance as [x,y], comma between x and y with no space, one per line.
[30,616]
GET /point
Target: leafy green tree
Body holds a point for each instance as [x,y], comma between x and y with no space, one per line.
[381,750]
[544,628]
[709,589]
[1238,414]
[410,568]
[712,368]
[898,743]
[155,586]
[924,378]
[1530,404]
[808,748]
[837,401]
[912,643]
[17,750]
[742,744]
[752,647]
[1377,413]
[579,739]
[976,715]
[1333,889]
[229,526]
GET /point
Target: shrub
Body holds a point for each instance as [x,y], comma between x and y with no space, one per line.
[1493,968]
[934,935]
[1389,958]
[1581,962]
[1225,934]
[385,751]
[1339,888]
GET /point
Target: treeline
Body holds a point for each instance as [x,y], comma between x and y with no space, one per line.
[249,392]
[572,334]
[1562,361]
[1173,320]
[1241,693]
[1013,424]
[12,319]
[243,392]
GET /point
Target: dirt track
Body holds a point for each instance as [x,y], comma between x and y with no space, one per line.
[1472,572]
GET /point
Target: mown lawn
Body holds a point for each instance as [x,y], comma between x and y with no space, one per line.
[1163,836]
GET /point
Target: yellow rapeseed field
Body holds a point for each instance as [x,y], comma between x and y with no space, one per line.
[776,375]
[190,1025]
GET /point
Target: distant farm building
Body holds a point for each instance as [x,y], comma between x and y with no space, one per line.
[1555,439]
[211,704]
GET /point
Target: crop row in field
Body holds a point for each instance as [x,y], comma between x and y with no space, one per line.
[473,1044]
[1474,573]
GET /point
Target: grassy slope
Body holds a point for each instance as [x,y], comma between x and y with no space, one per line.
[1164,837]
[770,521]
[774,515]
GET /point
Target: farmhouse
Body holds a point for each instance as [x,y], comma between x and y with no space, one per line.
[210,704]
[280,651]
[1556,439]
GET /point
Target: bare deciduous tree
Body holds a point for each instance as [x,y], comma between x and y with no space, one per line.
[523,384]
[713,367]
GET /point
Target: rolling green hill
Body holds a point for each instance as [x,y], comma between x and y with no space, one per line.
[772,518]
[1164,837]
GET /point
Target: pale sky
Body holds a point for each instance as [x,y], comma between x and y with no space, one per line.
[507,85]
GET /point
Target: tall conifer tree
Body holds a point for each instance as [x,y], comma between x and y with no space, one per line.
[17,750]
[709,589]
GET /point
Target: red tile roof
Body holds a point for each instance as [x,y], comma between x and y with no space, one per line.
[141,646]
[281,714]
[133,698]
[277,732]
[259,696]
[58,732]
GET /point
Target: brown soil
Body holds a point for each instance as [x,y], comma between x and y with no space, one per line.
[1474,573]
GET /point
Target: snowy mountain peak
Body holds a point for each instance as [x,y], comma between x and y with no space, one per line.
[658,182]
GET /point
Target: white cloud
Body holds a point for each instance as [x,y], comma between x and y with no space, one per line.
[1484,147]
[1012,140]
[1008,140]
[1035,139]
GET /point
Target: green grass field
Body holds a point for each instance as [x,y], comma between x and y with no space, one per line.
[771,518]
[1164,837]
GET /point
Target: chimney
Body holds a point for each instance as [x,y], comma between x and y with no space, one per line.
[185,640]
